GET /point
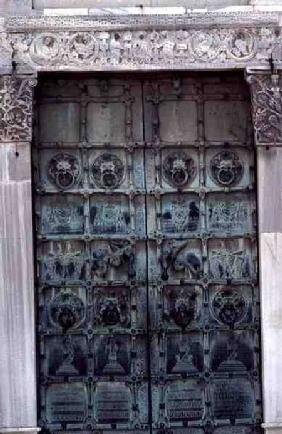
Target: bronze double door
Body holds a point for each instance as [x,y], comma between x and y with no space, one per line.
[148,306]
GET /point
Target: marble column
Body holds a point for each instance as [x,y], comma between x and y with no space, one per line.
[267,120]
[18,408]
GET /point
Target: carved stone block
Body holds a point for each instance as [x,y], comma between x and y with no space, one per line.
[16,95]
[266,108]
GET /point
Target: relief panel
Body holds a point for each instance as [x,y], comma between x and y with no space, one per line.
[175,260]
[180,213]
[232,259]
[61,261]
[61,214]
[117,260]
[178,402]
[233,400]
[229,168]
[66,356]
[63,309]
[233,214]
[231,305]
[60,170]
[117,215]
[66,403]
[232,352]
[120,355]
[182,306]
[172,169]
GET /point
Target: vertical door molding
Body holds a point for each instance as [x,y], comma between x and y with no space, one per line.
[267,120]
[18,409]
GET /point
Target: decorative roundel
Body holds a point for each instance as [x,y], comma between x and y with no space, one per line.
[66,310]
[229,306]
[179,169]
[108,171]
[226,168]
[64,170]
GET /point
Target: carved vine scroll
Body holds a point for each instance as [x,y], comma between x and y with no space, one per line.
[266,94]
[16,96]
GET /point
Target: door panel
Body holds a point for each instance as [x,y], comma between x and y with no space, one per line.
[148,305]
[202,255]
[91,253]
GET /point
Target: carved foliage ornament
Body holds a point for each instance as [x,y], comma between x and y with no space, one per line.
[134,48]
[267,108]
[16,108]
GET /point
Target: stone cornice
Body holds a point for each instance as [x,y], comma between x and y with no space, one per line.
[142,22]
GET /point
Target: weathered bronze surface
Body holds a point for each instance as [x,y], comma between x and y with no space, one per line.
[148,305]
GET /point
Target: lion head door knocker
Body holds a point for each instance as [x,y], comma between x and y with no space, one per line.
[66,310]
[179,169]
[229,307]
[108,171]
[183,309]
[112,310]
[64,170]
[226,168]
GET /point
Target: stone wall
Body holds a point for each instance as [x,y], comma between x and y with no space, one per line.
[24,7]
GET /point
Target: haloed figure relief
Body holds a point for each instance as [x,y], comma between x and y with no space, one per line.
[145,209]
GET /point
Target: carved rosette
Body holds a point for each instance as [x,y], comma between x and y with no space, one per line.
[16,94]
[266,108]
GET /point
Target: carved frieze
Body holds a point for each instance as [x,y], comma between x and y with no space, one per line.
[16,108]
[144,48]
[266,108]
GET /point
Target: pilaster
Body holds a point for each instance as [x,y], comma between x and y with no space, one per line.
[267,120]
[18,412]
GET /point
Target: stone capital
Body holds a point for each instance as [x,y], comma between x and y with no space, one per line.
[266,94]
[16,100]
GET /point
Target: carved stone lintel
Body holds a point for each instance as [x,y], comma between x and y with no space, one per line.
[266,93]
[16,97]
[144,49]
